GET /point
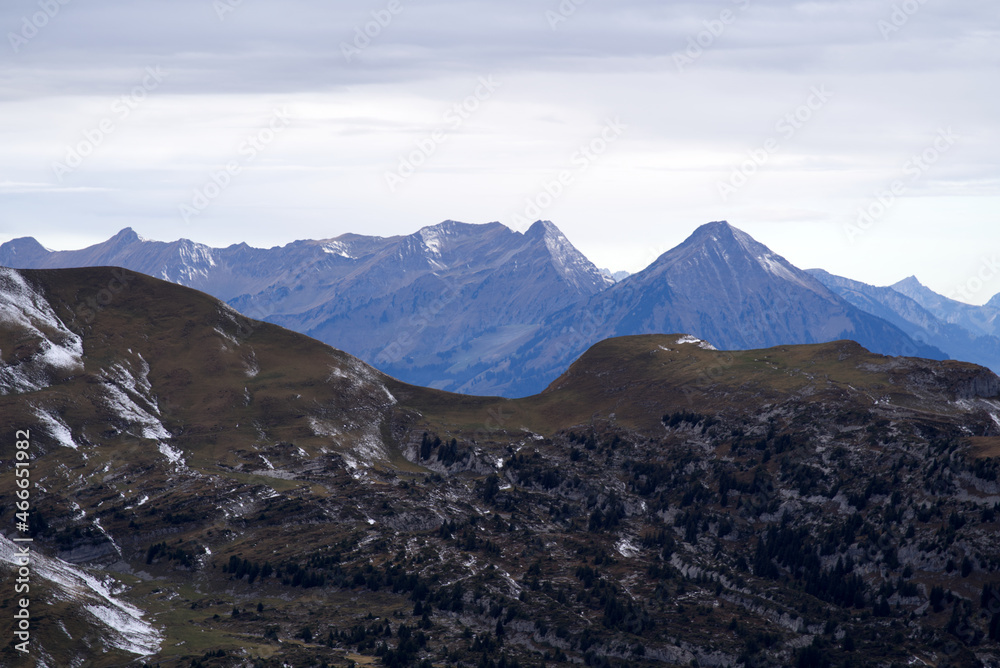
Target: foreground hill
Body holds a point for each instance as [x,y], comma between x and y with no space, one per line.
[211,490]
[482,309]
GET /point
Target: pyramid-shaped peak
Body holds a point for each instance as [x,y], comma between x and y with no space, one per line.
[543,228]
[715,226]
[718,248]
[719,231]
[722,238]
[126,235]
[909,282]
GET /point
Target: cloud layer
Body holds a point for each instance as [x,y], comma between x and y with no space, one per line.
[138,113]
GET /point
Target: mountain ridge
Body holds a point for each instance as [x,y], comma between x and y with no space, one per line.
[980,320]
[719,285]
[918,322]
[484,309]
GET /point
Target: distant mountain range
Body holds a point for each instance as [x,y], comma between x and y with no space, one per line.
[486,310]
[964,331]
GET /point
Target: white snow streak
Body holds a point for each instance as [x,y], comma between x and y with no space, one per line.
[124,625]
[701,344]
[58,347]
[57,428]
[173,454]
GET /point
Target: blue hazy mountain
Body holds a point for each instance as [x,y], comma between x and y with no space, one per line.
[979,320]
[484,309]
[967,343]
[721,286]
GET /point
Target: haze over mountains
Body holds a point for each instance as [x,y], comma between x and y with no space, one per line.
[483,309]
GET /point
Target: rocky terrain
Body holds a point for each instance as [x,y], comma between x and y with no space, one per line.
[209,490]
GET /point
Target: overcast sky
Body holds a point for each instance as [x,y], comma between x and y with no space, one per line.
[858,136]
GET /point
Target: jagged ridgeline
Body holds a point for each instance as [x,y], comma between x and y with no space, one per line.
[215,491]
[483,309]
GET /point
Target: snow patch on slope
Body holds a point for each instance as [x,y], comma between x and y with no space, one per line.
[129,396]
[123,624]
[122,405]
[173,454]
[572,264]
[323,428]
[137,385]
[705,345]
[626,548]
[58,430]
[195,262]
[250,365]
[337,248]
[775,267]
[59,348]
[432,239]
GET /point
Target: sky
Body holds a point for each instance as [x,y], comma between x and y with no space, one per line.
[859,136]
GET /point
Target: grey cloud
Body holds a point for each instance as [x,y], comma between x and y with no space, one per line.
[297,46]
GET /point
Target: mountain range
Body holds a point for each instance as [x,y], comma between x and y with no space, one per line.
[486,310]
[213,491]
[966,332]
